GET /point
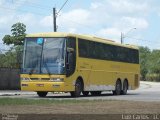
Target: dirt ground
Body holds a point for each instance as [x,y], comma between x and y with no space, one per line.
[96,107]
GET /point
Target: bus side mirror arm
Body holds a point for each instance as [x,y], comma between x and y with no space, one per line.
[70,50]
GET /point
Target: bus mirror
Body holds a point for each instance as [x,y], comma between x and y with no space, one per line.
[70,50]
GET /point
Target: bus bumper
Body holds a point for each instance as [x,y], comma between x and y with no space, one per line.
[46,86]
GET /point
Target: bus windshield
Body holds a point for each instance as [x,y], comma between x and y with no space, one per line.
[44,56]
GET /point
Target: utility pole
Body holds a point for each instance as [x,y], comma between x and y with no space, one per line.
[54,20]
[123,35]
[55,14]
[121,38]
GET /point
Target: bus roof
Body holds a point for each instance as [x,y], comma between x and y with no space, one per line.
[88,37]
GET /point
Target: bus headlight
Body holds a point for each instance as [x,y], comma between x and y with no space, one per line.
[57,79]
[25,79]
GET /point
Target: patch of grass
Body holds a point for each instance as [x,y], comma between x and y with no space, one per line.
[22,101]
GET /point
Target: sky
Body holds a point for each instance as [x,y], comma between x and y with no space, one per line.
[138,20]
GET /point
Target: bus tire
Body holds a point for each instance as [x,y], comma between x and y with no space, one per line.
[95,93]
[85,93]
[125,87]
[118,88]
[78,89]
[42,94]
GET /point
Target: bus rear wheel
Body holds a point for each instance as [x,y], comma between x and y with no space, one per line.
[42,94]
[78,89]
[118,88]
[125,88]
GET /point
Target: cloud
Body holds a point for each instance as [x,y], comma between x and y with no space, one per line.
[157,10]
[96,5]
[128,24]
[8,7]
[100,15]
[1,2]
[122,7]
[107,18]
[9,14]
[107,15]
[125,23]
[74,18]
[5,20]
[129,6]
[47,21]
[71,20]
[139,23]
[110,33]
[28,19]
[72,30]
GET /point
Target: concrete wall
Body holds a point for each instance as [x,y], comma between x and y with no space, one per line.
[9,79]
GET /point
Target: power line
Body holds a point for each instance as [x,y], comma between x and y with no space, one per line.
[87,26]
[142,40]
[39,5]
[35,5]
[21,10]
[40,14]
[62,7]
[32,4]
[10,9]
[55,15]
[147,42]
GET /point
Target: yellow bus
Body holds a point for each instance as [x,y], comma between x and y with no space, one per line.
[65,62]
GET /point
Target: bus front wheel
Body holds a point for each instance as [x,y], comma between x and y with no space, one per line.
[78,89]
[42,94]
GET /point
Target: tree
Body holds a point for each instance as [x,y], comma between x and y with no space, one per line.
[9,60]
[13,57]
[154,64]
[18,34]
[144,61]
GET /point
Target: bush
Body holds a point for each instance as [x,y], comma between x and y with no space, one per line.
[153,77]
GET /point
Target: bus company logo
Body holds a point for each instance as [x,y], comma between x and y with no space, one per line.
[9,117]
